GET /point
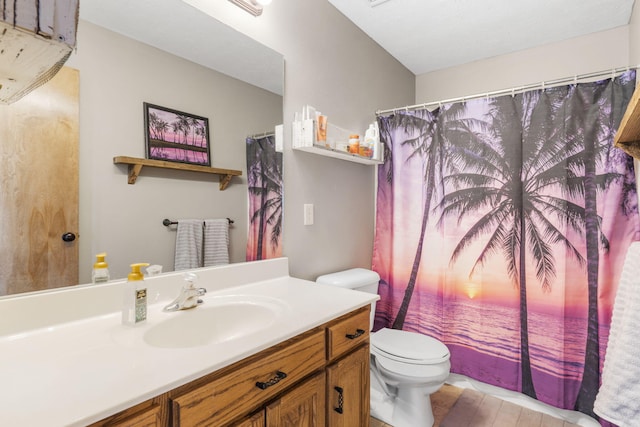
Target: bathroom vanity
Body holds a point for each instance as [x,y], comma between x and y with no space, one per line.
[286,384]
[264,349]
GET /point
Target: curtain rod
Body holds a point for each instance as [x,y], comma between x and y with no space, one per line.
[513,90]
[262,135]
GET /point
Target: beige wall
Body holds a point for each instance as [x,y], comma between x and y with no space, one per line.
[333,66]
[117,75]
[634,36]
[342,72]
[587,54]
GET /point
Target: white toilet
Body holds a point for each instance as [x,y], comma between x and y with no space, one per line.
[406,367]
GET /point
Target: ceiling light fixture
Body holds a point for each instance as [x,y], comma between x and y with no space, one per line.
[254,7]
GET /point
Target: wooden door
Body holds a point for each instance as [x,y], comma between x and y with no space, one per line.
[348,390]
[39,137]
[303,406]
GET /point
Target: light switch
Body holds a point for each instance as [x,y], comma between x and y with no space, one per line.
[308,214]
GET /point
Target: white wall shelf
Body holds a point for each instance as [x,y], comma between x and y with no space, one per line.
[330,152]
[335,146]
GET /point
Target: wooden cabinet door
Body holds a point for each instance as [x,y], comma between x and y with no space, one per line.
[256,420]
[348,390]
[303,406]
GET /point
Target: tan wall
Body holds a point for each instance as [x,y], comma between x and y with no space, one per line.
[333,66]
[117,75]
[587,54]
[634,36]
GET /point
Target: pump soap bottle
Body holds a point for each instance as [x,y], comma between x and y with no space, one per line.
[100,273]
[134,308]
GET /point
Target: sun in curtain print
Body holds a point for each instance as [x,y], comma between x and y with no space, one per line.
[502,225]
[264,175]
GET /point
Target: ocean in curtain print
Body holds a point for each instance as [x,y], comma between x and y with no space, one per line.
[476,331]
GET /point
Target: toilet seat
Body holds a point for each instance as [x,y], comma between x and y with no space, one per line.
[408,347]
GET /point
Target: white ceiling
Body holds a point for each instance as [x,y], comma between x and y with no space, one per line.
[424,35]
[428,35]
[180,29]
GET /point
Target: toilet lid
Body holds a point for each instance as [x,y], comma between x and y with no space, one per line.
[411,346]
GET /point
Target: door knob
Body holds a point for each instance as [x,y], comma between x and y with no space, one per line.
[68,237]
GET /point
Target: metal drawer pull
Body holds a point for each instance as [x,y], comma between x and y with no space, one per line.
[275,380]
[340,400]
[356,335]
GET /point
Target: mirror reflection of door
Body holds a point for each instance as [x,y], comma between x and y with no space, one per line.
[39,137]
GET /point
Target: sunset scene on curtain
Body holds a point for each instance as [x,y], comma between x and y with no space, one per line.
[501,229]
[264,175]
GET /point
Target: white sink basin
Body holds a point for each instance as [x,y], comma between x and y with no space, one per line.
[217,320]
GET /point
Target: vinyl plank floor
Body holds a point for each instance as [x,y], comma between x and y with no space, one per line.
[456,407]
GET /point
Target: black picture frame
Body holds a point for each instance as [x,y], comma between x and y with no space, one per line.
[176,136]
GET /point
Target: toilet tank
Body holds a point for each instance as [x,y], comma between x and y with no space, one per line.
[358,279]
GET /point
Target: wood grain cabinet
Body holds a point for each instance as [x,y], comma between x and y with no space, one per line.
[316,379]
[348,390]
[348,371]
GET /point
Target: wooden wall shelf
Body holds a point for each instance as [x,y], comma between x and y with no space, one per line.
[136,164]
[628,135]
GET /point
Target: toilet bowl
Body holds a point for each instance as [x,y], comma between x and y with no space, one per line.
[406,367]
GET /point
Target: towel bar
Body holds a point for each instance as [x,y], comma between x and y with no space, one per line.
[167,222]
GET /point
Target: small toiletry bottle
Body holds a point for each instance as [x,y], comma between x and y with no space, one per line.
[134,308]
[366,148]
[321,132]
[354,143]
[100,273]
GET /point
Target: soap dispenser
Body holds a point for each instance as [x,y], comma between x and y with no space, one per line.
[134,309]
[100,273]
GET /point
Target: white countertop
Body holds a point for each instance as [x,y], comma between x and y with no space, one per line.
[77,372]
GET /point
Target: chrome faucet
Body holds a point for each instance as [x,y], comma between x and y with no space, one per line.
[188,297]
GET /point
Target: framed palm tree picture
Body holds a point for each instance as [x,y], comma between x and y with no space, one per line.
[176,136]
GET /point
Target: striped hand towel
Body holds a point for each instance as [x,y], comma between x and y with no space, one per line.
[216,242]
[188,244]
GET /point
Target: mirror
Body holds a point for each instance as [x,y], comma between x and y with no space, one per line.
[162,52]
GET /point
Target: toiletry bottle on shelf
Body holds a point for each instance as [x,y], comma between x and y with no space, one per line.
[378,146]
[366,148]
[100,273]
[134,308]
[321,131]
[354,143]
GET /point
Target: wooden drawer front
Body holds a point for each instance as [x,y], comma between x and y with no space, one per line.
[304,406]
[347,334]
[148,418]
[230,396]
[141,415]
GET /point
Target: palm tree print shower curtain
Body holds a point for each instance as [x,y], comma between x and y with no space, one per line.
[264,175]
[501,228]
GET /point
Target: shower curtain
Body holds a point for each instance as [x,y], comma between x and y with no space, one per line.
[501,228]
[264,175]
